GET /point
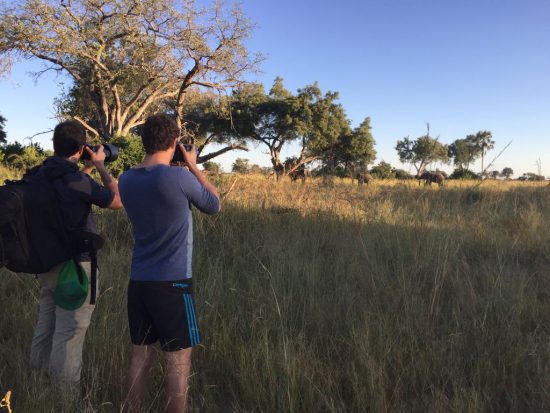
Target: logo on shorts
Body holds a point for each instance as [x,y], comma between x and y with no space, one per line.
[6,403]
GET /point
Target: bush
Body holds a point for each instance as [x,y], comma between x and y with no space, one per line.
[212,167]
[382,171]
[402,174]
[29,157]
[463,174]
[240,166]
[130,153]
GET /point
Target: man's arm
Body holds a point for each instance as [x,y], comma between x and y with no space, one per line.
[191,162]
[98,160]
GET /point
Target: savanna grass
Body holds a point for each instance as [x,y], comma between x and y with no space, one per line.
[333,298]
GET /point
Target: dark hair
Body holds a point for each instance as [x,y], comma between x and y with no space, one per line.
[158,133]
[68,138]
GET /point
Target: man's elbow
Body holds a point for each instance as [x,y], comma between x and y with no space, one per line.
[213,210]
[116,203]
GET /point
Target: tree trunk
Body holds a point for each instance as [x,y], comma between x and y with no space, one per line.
[278,167]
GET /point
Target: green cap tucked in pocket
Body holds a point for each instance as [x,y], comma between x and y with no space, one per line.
[72,286]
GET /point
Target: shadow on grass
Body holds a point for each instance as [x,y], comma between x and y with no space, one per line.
[444,309]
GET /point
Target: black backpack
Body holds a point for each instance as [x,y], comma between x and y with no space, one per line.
[33,235]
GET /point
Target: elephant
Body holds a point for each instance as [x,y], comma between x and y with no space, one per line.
[300,173]
[433,177]
[363,177]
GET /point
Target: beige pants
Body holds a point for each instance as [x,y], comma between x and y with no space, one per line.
[59,334]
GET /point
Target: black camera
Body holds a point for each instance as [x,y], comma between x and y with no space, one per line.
[178,154]
[111,152]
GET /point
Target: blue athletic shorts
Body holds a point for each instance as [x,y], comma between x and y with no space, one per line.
[163,311]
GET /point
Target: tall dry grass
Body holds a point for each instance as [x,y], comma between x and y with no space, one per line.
[334,298]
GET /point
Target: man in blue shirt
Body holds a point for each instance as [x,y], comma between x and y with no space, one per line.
[158,199]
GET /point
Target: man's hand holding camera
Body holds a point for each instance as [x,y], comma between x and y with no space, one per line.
[189,155]
[96,157]
[190,158]
[93,159]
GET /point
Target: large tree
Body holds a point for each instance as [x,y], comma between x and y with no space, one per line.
[129,57]
[507,172]
[464,152]
[207,120]
[322,122]
[421,152]
[484,141]
[354,151]
[310,118]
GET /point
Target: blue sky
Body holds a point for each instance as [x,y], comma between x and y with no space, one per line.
[462,66]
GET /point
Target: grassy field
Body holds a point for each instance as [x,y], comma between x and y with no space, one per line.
[333,298]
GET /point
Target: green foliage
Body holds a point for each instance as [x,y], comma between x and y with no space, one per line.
[464,151]
[463,174]
[421,152]
[208,120]
[321,121]
[241,166]
[212,167]
[28,157]
[3,135]
[14,148]
[383,171]
[354,151]
[484,142]
[130,153]
[402,174]
[275,119]
[507,172]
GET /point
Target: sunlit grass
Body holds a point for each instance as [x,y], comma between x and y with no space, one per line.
[333,297]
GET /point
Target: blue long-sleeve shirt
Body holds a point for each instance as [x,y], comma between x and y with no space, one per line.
[158,202]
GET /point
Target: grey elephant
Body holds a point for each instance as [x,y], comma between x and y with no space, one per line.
[300,173]
[433,177]
[363,178]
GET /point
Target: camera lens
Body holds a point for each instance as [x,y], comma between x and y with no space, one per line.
[111,152]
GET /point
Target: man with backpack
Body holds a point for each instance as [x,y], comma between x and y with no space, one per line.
[157,198]
[62,322]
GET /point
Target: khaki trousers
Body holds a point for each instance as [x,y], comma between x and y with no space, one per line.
[59,334]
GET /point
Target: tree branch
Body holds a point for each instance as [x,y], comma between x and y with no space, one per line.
[85,124]
[212,155]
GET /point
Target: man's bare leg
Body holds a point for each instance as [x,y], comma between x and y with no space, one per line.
[178,366]
[140,364]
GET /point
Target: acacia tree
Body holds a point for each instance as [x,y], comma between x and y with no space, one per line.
[464,152]
[421,152]
[269,119]
[207,120]
[128,57]
[241,166]
[322,122]
[507,172]
[353,151]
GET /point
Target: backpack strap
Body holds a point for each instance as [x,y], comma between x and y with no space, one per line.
[93,276]
[80,271]
[92,242]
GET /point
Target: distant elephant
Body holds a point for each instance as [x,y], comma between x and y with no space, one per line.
[300,173]
[363,177]
[433,177]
